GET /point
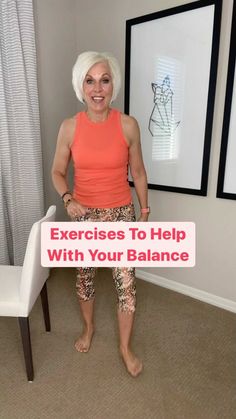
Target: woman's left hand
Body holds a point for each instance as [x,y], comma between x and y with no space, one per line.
[143,217]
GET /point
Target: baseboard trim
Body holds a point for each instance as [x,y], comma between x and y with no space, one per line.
[185,289]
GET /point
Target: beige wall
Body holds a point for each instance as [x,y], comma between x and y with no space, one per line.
[55,22]
[66,28]
[215,270]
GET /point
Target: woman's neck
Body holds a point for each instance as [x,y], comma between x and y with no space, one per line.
[98,116]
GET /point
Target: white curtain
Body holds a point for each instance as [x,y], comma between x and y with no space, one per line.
[21,180]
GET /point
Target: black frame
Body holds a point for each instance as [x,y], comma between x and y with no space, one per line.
[211,87]
[227,112]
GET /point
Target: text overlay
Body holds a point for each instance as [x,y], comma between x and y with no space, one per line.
[113,244]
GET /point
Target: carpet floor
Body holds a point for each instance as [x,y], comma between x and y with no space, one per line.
[188,349]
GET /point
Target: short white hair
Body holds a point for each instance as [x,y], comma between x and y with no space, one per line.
[85,61]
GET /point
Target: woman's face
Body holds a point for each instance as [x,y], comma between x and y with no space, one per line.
[98,87]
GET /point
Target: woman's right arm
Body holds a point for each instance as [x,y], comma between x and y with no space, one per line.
[62,156]
[60,166]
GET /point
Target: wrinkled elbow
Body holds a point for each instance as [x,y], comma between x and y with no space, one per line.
[55,174]
[139,174]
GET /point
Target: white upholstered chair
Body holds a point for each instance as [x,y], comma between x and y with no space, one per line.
[20,286]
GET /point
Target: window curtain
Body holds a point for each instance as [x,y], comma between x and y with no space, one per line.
[21,179]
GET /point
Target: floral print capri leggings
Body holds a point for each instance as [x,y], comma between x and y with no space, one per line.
[124,278]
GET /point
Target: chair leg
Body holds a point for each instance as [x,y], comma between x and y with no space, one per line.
[44,299]
[25,336]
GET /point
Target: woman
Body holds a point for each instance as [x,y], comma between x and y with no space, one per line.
[102,143]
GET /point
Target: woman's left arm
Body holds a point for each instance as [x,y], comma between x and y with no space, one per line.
[137,169]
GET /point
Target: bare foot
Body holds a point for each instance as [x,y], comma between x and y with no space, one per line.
[84,341]
[133,364]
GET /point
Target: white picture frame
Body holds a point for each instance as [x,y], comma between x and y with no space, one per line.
[171,69]
[226,186]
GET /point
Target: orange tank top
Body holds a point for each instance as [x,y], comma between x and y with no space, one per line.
[100,156]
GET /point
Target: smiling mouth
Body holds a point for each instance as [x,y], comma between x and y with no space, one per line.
[97,99]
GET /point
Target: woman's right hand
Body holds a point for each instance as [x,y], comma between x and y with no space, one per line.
[75,209]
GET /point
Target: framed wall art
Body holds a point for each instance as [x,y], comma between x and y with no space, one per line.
[170,79]
[226,187]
